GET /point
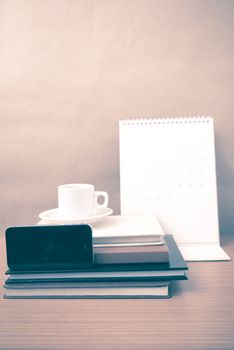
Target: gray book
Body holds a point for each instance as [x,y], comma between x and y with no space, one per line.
[126,253]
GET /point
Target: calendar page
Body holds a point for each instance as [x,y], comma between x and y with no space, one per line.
[167,167]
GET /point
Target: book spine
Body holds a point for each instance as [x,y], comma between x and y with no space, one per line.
[130,258]
[130,249]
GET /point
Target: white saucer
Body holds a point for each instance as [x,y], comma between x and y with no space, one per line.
[53,216]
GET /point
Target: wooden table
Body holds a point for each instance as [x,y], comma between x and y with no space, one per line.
[200,315]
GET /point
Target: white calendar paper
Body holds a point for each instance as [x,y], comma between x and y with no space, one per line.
[167,168]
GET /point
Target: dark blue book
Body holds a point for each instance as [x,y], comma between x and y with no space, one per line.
[174,270]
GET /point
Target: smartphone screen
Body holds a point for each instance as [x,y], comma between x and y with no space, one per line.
[65,247]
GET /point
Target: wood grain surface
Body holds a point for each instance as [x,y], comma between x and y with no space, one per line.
[200,315]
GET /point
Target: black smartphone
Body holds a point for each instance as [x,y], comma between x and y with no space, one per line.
[60,247]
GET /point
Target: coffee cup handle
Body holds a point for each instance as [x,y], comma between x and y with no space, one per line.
[98,194]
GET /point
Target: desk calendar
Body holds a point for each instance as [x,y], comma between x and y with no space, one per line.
[167,167]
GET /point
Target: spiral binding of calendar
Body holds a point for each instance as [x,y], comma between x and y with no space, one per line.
[166,120]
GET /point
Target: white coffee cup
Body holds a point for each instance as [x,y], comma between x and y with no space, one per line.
[79,200]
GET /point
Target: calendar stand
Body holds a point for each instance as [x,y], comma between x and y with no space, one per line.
[167,167]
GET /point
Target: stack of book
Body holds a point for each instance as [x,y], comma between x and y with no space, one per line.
[132,259]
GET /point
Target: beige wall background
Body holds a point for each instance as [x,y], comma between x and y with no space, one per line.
[71,69]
